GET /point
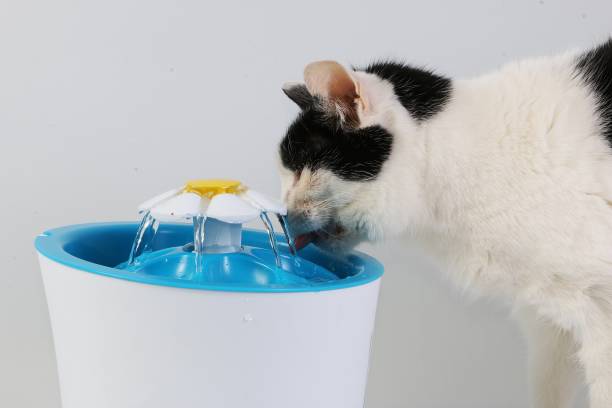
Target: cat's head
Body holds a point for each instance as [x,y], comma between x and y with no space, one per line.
[333,154]
[351,163]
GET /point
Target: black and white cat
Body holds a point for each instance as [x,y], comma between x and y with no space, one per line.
[505,178]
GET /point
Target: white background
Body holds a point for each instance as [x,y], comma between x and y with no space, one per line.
[105,103]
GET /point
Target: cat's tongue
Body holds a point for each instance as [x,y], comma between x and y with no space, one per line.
[302,240]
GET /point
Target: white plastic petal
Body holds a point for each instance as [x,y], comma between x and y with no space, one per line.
[158,199]
[265,203]
[231,208]
[184,205]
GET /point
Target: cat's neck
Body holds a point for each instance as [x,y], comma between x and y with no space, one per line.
[500,138]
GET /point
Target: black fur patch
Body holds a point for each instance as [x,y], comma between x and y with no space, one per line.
[422,92]
[315,142]
[596,69]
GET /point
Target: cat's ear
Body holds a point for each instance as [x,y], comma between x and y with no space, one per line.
[298,93]
[332,83]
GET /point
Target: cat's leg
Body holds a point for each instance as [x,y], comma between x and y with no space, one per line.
[596,357]
[553,369]
[599,379]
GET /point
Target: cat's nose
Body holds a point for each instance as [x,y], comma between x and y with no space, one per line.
[299,221]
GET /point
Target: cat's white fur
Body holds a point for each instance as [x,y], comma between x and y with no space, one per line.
[510,187]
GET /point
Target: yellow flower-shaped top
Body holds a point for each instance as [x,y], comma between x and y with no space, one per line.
[211,187]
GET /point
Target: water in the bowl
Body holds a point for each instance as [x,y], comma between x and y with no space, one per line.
[268,266]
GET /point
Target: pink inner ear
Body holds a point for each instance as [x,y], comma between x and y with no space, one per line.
[330,80]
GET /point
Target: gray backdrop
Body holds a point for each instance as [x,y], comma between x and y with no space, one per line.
[103,104]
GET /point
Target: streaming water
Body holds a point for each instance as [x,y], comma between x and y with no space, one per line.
[272,237]
[282,219]
[145,235]
[198,242]
[143,242]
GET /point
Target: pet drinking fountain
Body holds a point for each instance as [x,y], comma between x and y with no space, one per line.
[186,309]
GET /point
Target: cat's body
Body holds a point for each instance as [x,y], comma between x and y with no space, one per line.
[506,179]
[517,200]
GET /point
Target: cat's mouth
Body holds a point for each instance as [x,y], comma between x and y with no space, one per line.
[304,239]
[331,232]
